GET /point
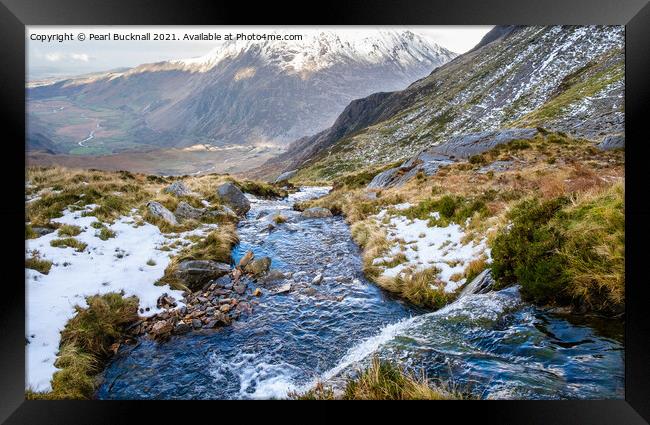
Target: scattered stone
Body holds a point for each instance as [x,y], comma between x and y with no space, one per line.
[240,288]
[161,329]
[157,210]
[177,188]
[182,328]
[196,273]
[316,212]
[258,266]
[185,211]
[225,308]
[283,289]
[318,279]
[230,195]
[274,275]
[257,292]
[243,262]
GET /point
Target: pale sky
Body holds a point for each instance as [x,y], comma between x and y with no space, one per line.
[73,57]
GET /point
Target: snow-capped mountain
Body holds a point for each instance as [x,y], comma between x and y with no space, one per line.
[562,78]
[245,92]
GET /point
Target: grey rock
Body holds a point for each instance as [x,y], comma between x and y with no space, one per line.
[316,212]
[283,289]
[42,231]
[466,145]
[230,195]
[157,210]
[185,211]
[182,328]
[196,323]
[317,279]
[430,160]
[480,285]
[613,141]
[285,176]
[258,266]
[177,188]
[196,273]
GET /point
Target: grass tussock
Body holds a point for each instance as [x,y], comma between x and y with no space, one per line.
[421,288]
[383,381]
[567,251]
[86,344]
[35,262]
[69,243]
[69,230]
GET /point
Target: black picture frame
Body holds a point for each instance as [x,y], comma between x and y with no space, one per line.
[634,14]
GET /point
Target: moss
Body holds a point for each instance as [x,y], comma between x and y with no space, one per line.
[68,242]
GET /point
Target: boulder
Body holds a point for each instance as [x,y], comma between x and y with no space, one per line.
[177,188]
[257,292]
[613,141]
[316,212]
[258,266]
[284,177]
[196,273]
[318,279]
[230,195]
[185,211]
[157,210]
[480,285]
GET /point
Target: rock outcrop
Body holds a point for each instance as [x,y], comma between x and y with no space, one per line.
[615,141]
[429,160]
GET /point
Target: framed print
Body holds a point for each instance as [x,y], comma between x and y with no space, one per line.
[415,202]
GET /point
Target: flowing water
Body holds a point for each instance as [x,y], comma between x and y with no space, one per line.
[492,345]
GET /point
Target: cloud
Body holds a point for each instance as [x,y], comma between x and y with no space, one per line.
[54,57]
[75,57]
[80,57]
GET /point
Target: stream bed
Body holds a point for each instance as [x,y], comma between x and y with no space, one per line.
[491,345]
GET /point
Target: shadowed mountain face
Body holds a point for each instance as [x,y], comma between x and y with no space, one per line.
[565,78]
[244,93]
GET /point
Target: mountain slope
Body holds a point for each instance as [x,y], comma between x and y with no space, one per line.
[269,92]
[565,78]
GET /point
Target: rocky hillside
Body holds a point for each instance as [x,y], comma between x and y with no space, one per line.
[243,93]
[562,78]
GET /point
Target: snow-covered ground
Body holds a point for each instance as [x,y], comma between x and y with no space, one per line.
[114,265]
[427,246]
